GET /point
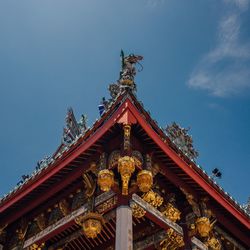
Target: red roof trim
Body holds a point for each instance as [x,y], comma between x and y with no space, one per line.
[69,158]
[187,169]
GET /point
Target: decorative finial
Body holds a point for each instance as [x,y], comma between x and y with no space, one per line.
[127,74]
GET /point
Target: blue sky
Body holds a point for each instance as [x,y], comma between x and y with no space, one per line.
[61,53]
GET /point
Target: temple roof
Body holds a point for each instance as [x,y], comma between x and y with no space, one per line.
[123,104]
[60,154]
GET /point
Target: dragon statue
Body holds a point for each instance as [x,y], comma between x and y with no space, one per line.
[127,74]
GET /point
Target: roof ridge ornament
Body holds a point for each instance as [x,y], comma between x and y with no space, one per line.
[180,137]
[127,74]
[73,128]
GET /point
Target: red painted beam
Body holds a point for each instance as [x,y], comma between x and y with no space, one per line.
[43,197]
[176,180]
[232,227]
[156,221]
[56,232]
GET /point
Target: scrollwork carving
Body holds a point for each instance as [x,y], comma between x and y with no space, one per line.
[137,211]
[153,198]
[213,243]
[172,213]
[64,207]
[172,240]
[89,184]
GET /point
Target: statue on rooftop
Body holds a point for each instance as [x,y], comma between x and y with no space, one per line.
[83,123]
[127,74]
[128,70]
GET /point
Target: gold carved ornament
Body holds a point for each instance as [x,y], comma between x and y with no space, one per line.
[105,179]
[127,82]
[204,226]
[126,167]
[172,213]
[172,240]
[213,243]
[153,198]
[106,205]
[36,247]
[145,180]
[91,224]
[127,130]
[137,211]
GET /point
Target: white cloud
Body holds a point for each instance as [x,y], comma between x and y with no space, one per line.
[225,70]
[241,4]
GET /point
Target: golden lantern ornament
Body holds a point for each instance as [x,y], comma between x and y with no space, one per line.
[213,243]
[172,213]
[145,180]
[105,179]
[126,167]
[204,226]
[91,224]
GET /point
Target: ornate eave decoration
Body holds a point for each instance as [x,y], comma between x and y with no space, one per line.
[204,226]
[180,137]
